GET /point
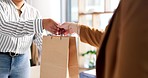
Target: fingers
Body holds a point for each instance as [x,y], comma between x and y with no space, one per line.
[70,27]
[50,25]
[65,25]
[53,31]
[53,24]
[56,28]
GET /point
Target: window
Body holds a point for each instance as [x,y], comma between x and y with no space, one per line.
[87,12]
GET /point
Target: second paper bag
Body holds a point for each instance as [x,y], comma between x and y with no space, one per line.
[59,57]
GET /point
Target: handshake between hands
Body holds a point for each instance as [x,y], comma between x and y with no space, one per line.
[55,28]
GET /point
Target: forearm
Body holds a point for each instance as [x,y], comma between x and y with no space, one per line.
[90,36]
[21,28]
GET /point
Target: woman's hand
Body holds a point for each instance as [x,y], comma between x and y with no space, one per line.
[70,27]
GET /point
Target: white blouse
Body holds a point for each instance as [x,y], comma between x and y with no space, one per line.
[18,32]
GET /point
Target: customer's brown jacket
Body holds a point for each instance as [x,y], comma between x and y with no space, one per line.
[124,47]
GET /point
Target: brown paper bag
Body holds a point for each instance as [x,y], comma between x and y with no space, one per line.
[34,55]
[59,57]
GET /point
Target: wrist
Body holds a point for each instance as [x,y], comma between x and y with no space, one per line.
[76,28]
[43,23]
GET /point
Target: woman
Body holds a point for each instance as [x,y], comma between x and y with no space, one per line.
[19,26]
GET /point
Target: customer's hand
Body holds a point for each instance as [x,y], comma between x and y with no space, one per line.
[50,25]
[70,27]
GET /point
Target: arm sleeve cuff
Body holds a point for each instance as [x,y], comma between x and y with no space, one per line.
[38,26]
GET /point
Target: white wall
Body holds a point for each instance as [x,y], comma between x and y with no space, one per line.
[47,8]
